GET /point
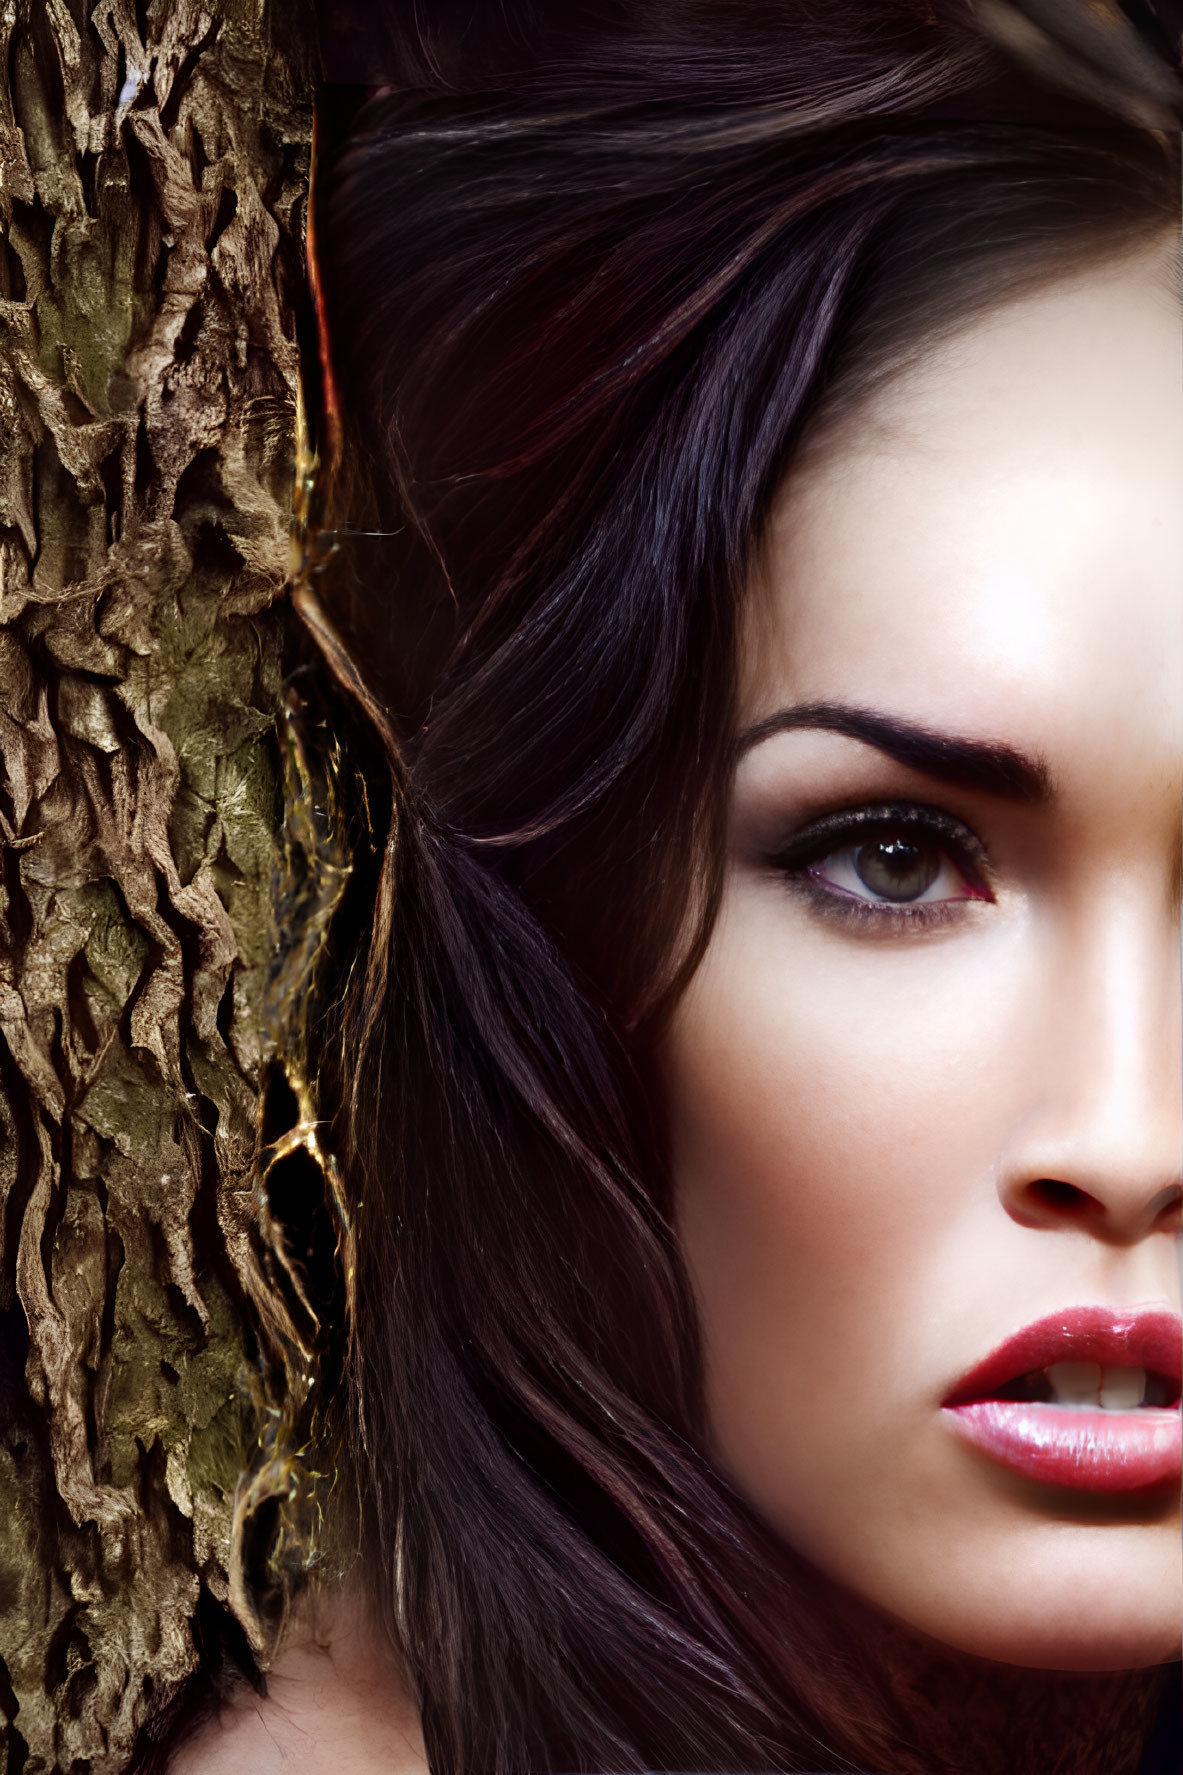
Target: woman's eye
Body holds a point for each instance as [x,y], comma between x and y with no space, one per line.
[892,861]
[900,868]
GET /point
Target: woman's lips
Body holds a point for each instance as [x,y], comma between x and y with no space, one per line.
[1098,1450]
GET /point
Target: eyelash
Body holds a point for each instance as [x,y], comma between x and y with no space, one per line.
[838,830]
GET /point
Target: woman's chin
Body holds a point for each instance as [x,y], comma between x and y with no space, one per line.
[1084,1648]
[1064,1595]
[1111,1614]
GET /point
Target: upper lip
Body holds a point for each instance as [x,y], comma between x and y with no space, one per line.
[1149,1339]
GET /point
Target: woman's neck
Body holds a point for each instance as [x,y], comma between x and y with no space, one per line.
[338,1704]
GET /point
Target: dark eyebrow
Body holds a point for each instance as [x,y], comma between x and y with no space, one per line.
[972,764]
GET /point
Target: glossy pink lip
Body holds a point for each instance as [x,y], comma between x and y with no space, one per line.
[1097,1451]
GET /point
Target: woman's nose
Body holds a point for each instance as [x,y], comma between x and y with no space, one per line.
[1099,1145]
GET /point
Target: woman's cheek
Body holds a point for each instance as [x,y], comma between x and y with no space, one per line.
[840,1090]
[836,1106]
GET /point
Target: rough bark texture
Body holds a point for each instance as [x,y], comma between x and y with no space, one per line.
[153,174]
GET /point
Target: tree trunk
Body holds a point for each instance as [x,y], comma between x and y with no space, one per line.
[153,178]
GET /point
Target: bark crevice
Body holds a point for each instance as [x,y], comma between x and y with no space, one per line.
[153,177]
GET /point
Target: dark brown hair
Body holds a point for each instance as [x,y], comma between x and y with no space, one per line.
[585,287]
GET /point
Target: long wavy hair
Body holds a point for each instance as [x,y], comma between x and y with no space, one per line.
[587,278]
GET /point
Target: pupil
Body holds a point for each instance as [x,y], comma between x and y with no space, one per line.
[896,868]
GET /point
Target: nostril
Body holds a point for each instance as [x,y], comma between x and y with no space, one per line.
[1053,1195]
[1167,1209]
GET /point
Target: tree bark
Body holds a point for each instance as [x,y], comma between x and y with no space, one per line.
[153,177]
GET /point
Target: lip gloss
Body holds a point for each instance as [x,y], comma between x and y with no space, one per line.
[1098,1451]
[1085,1449]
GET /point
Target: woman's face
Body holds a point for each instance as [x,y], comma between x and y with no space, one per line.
[925,1087]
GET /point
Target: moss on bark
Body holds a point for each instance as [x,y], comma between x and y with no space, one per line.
[153,177]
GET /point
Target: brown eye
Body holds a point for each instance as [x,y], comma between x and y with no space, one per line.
[895,867]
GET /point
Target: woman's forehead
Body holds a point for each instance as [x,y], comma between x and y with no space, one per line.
[998,534]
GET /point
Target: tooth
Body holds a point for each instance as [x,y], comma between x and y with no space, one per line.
[1075,1383]
[1123,1388]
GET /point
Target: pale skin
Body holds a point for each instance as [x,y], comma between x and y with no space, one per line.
[865,1111]
[336,1704]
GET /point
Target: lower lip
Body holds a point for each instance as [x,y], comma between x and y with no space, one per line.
[1094,1451]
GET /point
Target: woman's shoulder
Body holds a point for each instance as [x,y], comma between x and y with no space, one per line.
[261,1736]
[335,1703]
